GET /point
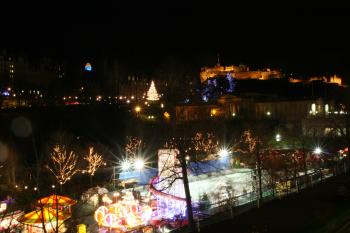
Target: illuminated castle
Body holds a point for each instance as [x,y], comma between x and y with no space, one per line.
[238,72]
[242,72]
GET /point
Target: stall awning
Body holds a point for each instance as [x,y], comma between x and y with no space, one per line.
[53,200]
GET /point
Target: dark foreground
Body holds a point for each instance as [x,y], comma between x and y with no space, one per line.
[322,208]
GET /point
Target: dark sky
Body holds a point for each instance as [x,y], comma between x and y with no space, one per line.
[305,39]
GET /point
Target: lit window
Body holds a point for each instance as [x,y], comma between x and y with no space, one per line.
[313,109]
[326,108]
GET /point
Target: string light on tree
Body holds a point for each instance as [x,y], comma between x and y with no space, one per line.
[152,94]
[63,165]
[133,146]
[94,161]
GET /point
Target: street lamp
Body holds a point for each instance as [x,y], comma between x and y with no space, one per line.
[125,165]
[318,150]
[137,109]
[139,164]
[278,137]
[224,152]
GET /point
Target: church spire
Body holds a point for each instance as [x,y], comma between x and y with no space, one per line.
[218,62]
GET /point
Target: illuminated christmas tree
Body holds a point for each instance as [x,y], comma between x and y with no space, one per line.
[152,94]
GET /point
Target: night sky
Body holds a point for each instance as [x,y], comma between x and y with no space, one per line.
[306,40]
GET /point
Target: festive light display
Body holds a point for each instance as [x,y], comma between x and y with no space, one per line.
[94,161]
[124,215]
[63,165]
[168,189]
[152,94]
[168,204]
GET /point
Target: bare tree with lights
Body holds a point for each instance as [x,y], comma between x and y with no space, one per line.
[133,147]
[204,144]
[94,161]
[249,148]
[63,164]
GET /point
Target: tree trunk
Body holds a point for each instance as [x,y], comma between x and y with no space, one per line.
[260,196]
[187,192]
[305,167]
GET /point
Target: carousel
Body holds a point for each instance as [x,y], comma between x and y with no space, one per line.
[123,214]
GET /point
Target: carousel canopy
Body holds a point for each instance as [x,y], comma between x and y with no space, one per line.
[54,200]
[45,215]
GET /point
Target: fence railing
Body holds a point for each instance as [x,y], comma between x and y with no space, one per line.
[220,211]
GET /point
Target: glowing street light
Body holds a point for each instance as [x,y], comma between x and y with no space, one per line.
[139,164]
[125,165]
[278,137]
[318,150]
[137,109]
[224,152]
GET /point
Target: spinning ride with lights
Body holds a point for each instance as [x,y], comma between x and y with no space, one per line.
[124,215]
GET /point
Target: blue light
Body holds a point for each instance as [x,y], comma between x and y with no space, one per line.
[231,83]
[88,67]
[205,98]
[5,93]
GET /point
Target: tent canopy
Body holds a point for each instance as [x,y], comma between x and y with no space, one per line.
[45,215]
[54,200]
